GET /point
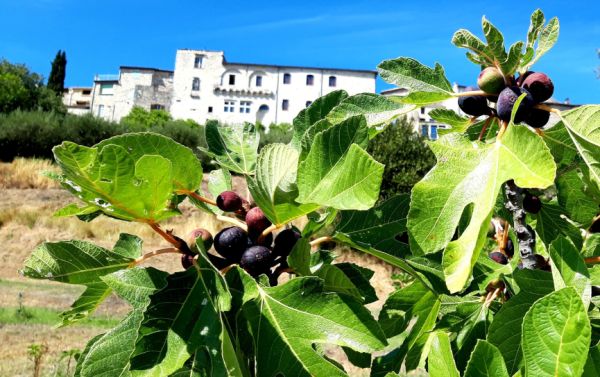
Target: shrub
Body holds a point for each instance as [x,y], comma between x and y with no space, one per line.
[406,157]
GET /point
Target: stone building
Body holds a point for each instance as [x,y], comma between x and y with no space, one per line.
[77,100]
[205,86]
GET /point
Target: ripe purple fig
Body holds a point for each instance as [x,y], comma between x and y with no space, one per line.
[532,204]
[523,77]
[538,118]
[510,249]
[207,239]
[473,105]
[491,81]
[257,222]
[285,242]
[506,101]
[540,86]
[256,260]
[229,201]
[498,257]
[187,260]
[231,243]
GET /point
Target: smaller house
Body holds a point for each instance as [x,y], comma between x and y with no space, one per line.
[77,99]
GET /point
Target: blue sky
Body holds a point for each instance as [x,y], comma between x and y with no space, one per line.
[99,36]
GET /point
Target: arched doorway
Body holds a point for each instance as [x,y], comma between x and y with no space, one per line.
[261,114]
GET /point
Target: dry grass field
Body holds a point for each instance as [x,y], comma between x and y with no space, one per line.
[28,309]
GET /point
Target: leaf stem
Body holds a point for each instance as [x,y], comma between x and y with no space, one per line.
[231,220]
[226,269]
[592,260]
[319,240]
[201,198]
[503,127]
[154,253]
[524,232]
[266,232]
[166,236]
[485,125]
[505,236]
[548,108]
[474,93]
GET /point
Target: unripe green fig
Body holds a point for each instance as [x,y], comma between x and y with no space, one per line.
[491,81]
[207,239]
[229,201]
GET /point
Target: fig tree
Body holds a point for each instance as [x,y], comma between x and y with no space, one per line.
[285,242]
[538,118]
[532,204]
[207,239]
[506,102]
[229,201]
[491,81]
[473,105]
[256,260]
[540,86]
[231,242]
[498,257]
[257,222]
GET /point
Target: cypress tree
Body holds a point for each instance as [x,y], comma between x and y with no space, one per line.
[56,80]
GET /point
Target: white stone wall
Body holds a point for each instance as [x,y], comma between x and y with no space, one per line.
[215,88]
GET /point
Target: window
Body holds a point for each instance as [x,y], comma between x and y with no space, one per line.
[263,108]
[308,103]
[196,84]
[287,78]
[136,75]
[231,79]
[229,106]
[171,78]
[434,134]
[157,106]
[285,105]
[425,131]
[332,81]
[210,109]
[107,89]
[245,107]
[86,92]
[310,80]
[131,93]
[422,110]
[258,80]
[101,110]
[199,61]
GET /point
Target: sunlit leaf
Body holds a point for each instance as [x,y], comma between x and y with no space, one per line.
[233,147]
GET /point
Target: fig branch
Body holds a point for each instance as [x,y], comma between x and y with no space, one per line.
[166,235]
[155,253]
[231,220]
[474,93]
[320,240]
[525,234]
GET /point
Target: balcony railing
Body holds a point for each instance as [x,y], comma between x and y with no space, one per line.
[106,78]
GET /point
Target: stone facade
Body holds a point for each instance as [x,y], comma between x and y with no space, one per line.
[77,99]
[205,86]
[115,96]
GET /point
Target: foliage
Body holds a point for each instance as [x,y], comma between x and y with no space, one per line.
[22,89]
[405,154]
[56,80]
[144,119]
[534,313]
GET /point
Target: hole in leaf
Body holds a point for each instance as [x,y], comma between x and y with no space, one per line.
[106,180]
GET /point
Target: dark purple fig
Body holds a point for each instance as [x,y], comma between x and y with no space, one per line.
[507,100]
[510,249]
[498,257]
[473,105]
[532,204]
[541,261]
[229,201]
[256,260]
[187,260]
[538,118]
[285,242]
[231,243]
[523,77]
[540,86]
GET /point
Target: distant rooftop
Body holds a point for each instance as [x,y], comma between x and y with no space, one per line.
[145,69]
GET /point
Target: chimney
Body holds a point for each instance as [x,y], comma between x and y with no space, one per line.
[567,101]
